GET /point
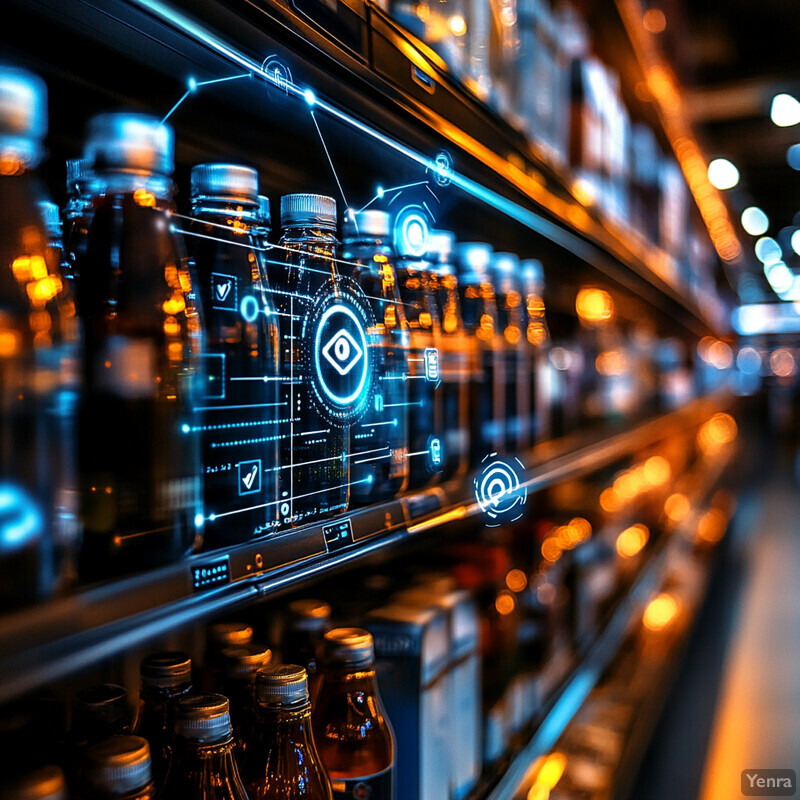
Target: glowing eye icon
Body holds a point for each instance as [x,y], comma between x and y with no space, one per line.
[342,352]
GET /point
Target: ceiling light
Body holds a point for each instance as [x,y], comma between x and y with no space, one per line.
[723,174]
[755,221]
[785,111]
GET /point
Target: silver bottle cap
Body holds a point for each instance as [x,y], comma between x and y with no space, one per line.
[475,256]
[23,114]
[505,263]
[440,246]
[131,143]
[370,222]
[232,183]
[282,685]
[119,765]
[203,718]
[308,210]
[348,646]
[52,218]
[45,783]
[244,660]
[105,701]
[166,670]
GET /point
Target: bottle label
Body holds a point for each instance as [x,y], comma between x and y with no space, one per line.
[379,786]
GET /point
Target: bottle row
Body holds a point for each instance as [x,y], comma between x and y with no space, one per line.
[175,381]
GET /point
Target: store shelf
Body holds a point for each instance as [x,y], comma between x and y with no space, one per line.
[377,79]
[46,642]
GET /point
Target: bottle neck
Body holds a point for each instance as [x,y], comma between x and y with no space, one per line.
[285,721]
[218,210]
[121,182]
[320,237]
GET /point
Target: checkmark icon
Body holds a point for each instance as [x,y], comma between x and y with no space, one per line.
[250,477]
[223,289]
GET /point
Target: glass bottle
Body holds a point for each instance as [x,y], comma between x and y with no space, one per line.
[44,783]
[83,185]
[541,372]
[354,737]
[319,390]
[203,766]
[165,678]
[263,228]
[39,336]
[454,354]
[307,620]
[220,635]
[240,663]
[139,454]
[488,385]
[240,441]
[119,768]
[425,406]
[513,324]
[379,439]
[282,761]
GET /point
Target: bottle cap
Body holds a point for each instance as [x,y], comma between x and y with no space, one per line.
[228,634]
[264,211]
[282,685]
[79,172]
[166,670]
[309,614]
[348,645]
[308,210]
[45,783]
[119,765]
[131,143]
[52,218]
[475,256]
[532,271]
[23,114]
[232,183]
[107,702]
[370,222]
[203,718]
[440,246]
[505,263]
[244,660]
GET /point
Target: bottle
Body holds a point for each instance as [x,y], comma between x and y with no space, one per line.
[83,185]
[98,712]
[454,355]
[307,620]
[203,766]
[263,229]
[513,324]
[541,371]
[425,402]
[139,452]
[379,439]
[325,366]
[119,768]
[165,678]
[219,636]
[240,441]
[488,384]
[354,737]
[39,336]
[240,663]
[282,761]
[44,783]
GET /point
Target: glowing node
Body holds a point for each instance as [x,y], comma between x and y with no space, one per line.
[212,517]
[498,489]
[192,84]
[198,520]
[249,308]
[379,191]
[309,97]
[185,428]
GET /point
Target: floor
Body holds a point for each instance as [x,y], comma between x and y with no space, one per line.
[736,702]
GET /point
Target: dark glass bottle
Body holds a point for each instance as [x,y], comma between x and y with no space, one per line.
[454,354]
[119,769]
[240,663]
[220,635]
[425,408]
[83,186]
[513,323]
[165,678]
[39,336]
[45,783]
[307,620]
[538,335]
[379,439]
[240,439]
[325,364]
[353,734]
[203,766]
[488,385]
[282,762]
[142,369]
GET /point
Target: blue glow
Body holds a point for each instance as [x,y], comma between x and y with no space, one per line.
[185,428]
[198,520]
[249,308]
[309,97]
[212,517]
[369,479]
[192,83]
[22,520]
[379,191]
